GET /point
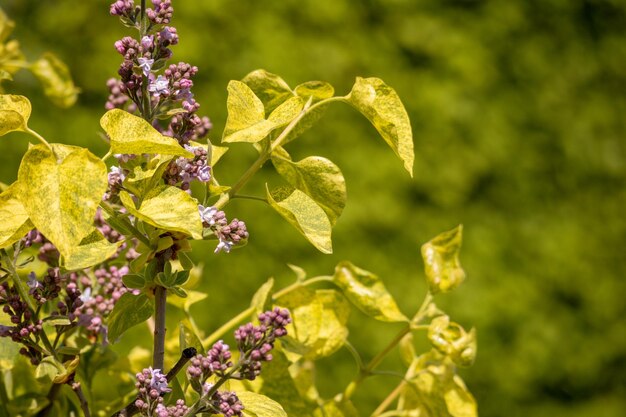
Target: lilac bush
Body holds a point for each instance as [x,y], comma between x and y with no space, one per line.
[85,261]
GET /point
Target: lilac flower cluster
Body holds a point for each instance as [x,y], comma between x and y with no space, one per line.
[98,306]
[226,403]
[177,410]
[183,170]
[22,319]
[215,362]
[152,386]
[256,342]
[48,289]
[229,234]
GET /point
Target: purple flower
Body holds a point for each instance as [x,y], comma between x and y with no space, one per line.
[160,86]
[146,65]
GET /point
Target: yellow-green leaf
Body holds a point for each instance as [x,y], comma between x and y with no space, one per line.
[9,351]
[319,90]
[257,405]
[56,79]
[49,368]
[93,250]
[367,292]
[319,322]
[303,213]
[168,208]
[269,88]
[129,311]
[286,112]
[384,109]
[14,222]
[61,192]
[318,178]
[245,110]
[131,134]
[14,113]
[337,408]
[6,26]
[187,337]
[441,261]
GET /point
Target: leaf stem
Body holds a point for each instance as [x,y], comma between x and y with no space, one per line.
[39,137]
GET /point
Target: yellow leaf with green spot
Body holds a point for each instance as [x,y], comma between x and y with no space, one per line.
[56,80]
[61,192]
[303,213]
[14,221]
[257,405]
[131,134]
[14,113]
[319,90]
[269,88]
[384,109]
[367,292]
[441,261]
[93,249]
[168,208]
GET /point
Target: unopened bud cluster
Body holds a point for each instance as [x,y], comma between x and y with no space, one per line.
[229,234]
[151,387]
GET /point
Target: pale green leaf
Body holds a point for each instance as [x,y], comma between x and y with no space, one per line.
[319,90]
[335,408]
[129,311]
[312,116]
[14,222]
[14,113]
[61,192]
[367,292]
[257,405]
[303,213]
[318,178]
[9,351]
[269,88]
[93,249]
[441,261]
[279,385]
[303,375]
[384,109]
[262,298]
[187,337]
[56,80]
[168,208]
[319,322]
[49,368]
[131,134]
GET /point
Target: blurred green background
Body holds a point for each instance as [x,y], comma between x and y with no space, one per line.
[517,109]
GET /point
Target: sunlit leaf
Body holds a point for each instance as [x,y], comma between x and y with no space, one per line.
[56,80]
[129,311]
[257,405]
[441,261]
[246,117]
[318,178]
[245,111]
[49,368]
[319,90]
[319,322]
[303,213]
[452,340]
[269,88]
[14,113]
[435,390]
[311,117]
[92,250]
[407,349]
[131,134]
[367,292]
[61,192]
[384,109]
[14,222]
[303,375]
[168,208]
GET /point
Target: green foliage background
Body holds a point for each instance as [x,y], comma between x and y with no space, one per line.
[518,116]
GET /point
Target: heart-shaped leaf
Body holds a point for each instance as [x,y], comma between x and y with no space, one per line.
[92,250]
[257,405]
[441,261]
[61,191]
[14,113]
[269,88]
[14,221]
[129,311]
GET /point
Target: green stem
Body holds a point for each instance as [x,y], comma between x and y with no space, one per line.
[136,233]
[39,137]
[4,396]
[107,156]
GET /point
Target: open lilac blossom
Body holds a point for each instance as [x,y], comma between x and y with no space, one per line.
[146,65]
[160,86]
